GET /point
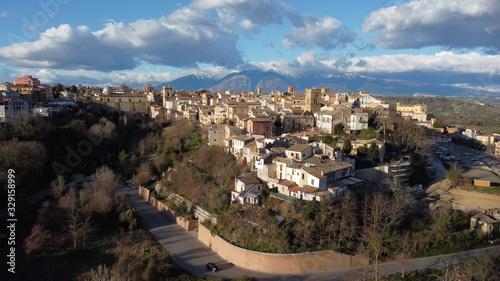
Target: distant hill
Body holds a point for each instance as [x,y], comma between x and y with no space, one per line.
[251,80]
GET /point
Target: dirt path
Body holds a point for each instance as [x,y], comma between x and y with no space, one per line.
[439,194]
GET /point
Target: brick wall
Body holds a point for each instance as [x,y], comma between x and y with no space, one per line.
[276,263]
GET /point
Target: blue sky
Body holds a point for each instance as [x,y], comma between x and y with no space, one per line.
[152,41]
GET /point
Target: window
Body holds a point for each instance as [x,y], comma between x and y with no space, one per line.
[302,176]
[312,181]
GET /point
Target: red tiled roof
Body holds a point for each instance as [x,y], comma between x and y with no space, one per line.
[295,189]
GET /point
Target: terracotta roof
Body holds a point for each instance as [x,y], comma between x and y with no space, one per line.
[295,189]
[288,183]
[309,189]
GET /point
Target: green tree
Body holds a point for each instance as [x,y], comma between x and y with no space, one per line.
[328,139]
[347,147]
[338,129]
[278,123]
[368,134]
[362,151]
[373,151]
[57,90]
[311,209]
[124,162]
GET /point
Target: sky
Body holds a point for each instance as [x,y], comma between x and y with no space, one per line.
[152,41]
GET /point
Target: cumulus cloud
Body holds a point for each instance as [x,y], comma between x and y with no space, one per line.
[451,24]
[327,33]
[443,62]
[183,39]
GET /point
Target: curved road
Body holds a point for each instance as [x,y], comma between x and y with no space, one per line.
[192,255]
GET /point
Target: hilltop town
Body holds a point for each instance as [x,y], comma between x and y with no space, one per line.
[280,172]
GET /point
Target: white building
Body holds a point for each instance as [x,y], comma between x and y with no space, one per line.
[12,108]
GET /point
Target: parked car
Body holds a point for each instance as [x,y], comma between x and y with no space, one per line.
[212,267]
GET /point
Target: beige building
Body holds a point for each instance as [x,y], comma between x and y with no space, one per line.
[416,112]
[293,123]
[134,104]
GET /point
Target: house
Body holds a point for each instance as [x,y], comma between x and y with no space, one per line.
[486,140]
[326,120]
[238,143]
[299,152]
[260,126]
[416,112]
[301,122]
[46,110]
[220,132]
[471,133]
[485,220]
[358,120]
[246,190]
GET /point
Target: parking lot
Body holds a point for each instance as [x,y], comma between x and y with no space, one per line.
[476,164]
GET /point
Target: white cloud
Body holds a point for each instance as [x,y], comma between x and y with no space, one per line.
[451,24]
[3,15]
[443,62]
[327,33]
[183,39]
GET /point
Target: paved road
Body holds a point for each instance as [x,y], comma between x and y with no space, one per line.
[187,251]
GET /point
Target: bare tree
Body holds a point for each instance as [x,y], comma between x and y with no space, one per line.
[38,240]
[381,215]
[58,186]
[105,129]
[99,192]
[406,247]
[347,223]
[482,269]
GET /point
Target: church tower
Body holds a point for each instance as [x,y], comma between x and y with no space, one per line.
[167,93]
[313,102]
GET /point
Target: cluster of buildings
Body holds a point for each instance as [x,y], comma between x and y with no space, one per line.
[294,169]
[26,95]
[245,125]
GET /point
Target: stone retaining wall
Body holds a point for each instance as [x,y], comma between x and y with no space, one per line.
[187,225]
[276,263]
[199,212]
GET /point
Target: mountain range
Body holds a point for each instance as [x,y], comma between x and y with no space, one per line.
[268,81]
